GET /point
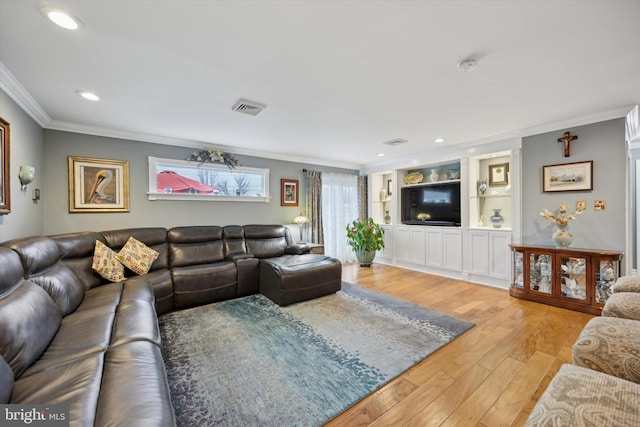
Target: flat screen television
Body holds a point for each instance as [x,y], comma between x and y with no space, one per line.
[435,204]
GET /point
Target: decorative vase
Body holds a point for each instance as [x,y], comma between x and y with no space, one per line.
[365,258]
[387,217]
[496,219]
[482,187]
[561,237]
[383,195]
[435,176]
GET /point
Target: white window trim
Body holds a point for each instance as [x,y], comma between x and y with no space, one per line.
[153,194]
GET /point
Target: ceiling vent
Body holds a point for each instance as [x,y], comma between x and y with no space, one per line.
[248,107]
[395,142]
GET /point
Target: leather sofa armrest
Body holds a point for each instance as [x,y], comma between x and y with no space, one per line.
[236,257]
[297,249]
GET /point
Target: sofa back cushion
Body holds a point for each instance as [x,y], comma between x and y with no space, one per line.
[233,237]
[266,241]
[77,251]
[195,245]
[153,237]
[41,261]
[29,319]
[6,381]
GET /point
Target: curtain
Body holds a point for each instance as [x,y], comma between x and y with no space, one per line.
[339,208]
[363,211]
[314,206]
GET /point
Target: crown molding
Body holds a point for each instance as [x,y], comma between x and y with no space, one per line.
[13,88]
[178,142]
[504,141]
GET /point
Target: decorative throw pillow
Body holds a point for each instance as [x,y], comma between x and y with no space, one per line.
[136,256]
[106,264]
[627,284]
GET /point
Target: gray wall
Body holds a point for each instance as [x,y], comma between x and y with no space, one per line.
[59,145]
[26,142]
[604,143]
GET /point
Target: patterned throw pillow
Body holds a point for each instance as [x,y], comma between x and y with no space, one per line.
[136,256]
[106,264]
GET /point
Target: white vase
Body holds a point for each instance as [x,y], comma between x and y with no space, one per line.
[561,237]
[435,176]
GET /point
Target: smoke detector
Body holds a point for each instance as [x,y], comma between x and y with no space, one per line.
[396,141]
[467,65]
[248,107]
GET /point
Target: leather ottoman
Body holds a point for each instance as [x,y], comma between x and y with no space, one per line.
[294,278]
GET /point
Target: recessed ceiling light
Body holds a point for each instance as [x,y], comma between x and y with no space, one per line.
[88,95]
[380,154]
[438,140]
[61,18]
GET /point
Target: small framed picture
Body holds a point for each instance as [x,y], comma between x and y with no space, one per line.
[568,177]
[289,192]
[599,205]
[581,205]
[5,188]
[498,174]
[389,187]
[98,185]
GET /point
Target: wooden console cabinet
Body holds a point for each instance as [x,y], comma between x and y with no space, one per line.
[577,279]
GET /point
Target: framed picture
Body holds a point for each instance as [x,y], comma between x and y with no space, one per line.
[288,192]
[498,174]
[568,177]
[5,188]
[389,187]
[98,185]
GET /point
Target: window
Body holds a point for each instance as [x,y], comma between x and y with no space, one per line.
[184,180]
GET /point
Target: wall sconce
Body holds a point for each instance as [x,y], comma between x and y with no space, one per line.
[26,175]
[302,221]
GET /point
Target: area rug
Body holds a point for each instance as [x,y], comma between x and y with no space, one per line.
[249,362]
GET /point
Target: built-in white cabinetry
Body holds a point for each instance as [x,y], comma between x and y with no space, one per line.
[436,247]
[489,256]
[477,250]
[387,251]
[444,248]
[410,245]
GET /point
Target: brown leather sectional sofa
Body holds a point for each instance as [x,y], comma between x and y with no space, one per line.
[68,336]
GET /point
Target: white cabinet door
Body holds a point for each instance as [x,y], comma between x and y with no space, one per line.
[418,250]
[500,255]
[387,251]
[478,255]
[402,243]
[452,250]
[434,247]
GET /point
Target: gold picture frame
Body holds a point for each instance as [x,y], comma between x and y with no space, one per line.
[498,174]
[5,187]
[289,192]
[98,185]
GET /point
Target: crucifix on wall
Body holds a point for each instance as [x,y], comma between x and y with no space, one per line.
[567,138]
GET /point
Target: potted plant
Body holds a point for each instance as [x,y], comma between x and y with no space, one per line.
[365,238]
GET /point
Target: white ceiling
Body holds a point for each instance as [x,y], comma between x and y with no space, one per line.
[339,77]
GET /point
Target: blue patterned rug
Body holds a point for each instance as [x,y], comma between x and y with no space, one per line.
[249,362]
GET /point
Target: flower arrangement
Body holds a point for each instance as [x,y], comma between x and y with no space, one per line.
[562,219]
[214,156]
[365,235]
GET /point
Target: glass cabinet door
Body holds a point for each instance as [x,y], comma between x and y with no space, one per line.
[540,276]
[518,269]
[573,275]
[606,276]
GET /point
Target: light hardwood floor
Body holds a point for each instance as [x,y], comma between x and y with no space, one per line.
[490,376]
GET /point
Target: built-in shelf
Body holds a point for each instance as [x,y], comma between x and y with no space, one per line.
[491,196]
[422,184]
